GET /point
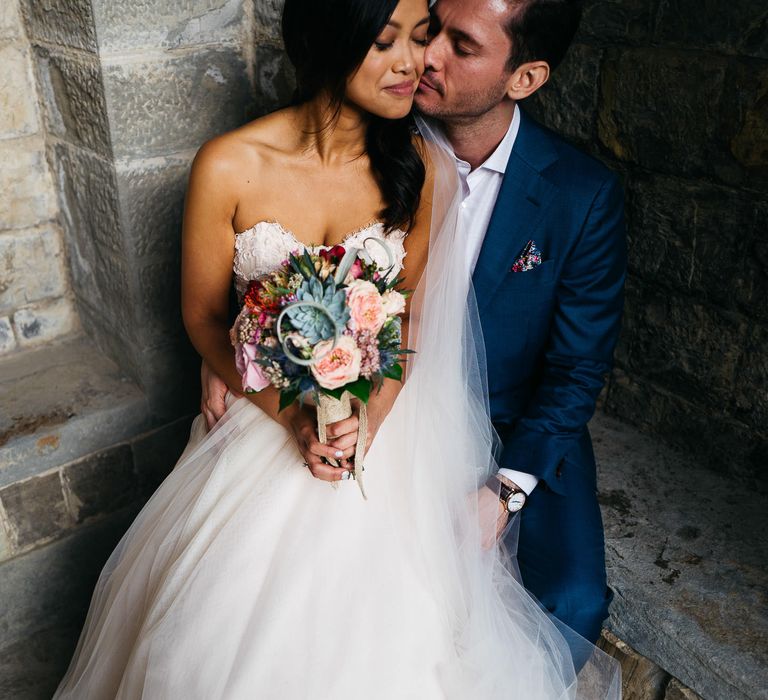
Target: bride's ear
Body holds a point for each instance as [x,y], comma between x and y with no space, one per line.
[526,79]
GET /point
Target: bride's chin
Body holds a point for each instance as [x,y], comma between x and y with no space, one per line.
[392,109]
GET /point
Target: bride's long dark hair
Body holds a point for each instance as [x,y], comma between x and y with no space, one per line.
[326,41]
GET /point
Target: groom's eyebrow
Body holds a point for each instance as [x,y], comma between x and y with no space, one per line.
[463,36]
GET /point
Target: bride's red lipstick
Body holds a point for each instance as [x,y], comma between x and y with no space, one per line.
[405,89]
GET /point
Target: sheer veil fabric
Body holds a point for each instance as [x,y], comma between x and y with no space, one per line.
[243,576]
[502,635]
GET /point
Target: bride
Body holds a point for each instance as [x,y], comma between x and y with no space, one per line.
[248,575]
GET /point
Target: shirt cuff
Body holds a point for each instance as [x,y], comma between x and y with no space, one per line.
[527,482]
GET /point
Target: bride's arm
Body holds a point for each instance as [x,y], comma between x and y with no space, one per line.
[208,245]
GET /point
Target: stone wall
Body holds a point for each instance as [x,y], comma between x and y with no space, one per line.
[35,306]
[673,94]
[130,94]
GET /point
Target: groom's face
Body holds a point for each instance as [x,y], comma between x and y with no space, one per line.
[466,72]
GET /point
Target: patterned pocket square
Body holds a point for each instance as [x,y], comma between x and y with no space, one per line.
[528,259]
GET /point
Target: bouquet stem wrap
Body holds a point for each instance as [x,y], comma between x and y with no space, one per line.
[331,410]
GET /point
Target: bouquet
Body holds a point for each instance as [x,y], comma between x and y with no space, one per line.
[327,323]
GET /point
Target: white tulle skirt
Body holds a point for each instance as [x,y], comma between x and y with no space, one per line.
[245,577]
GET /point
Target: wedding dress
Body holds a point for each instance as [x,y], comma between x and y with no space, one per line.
[245,577]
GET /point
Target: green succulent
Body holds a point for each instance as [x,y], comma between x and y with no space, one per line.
[311,322]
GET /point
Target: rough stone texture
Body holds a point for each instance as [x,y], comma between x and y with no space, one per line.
[677,691]
[274,79]
[28,196]
[34,510]
[61,402]
[686,553]
[18,104]
[73,94]
[183,100]
[641,679]
[10,21]
[673,95]
[41,323]
[66,23]
[31,267]
[51,586]
[7,338]
[167,24]
[569,104]
[739,27]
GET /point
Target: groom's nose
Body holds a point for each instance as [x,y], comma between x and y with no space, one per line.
[434,53]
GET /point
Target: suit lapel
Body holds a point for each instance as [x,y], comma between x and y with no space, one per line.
[523,199]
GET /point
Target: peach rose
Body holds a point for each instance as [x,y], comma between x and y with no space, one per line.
[253,376]
[394,302]
[365,307]
[339,366]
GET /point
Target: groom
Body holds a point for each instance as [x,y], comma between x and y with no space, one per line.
[545,240]
[545,243]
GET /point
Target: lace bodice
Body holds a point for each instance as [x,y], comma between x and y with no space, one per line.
[265,245]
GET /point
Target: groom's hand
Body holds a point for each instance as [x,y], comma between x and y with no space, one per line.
[494,517]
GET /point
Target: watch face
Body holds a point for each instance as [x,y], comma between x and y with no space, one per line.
[516,502]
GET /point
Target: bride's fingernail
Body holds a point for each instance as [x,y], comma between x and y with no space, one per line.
[338,453]
[344,476]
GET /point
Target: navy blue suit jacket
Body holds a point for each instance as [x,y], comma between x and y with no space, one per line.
[550,332]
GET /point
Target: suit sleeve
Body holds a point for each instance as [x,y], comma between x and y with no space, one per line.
[579,352]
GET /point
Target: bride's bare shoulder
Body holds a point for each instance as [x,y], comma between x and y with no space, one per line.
[246,149]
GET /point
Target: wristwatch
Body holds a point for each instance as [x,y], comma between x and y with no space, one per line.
[513,499]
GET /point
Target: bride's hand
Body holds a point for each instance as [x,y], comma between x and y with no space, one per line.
[302,422]
[214,391]
[343,434]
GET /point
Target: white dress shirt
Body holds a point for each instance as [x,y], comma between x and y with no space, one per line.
[480,188]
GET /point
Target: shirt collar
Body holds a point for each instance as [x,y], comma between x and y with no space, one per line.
[498,160]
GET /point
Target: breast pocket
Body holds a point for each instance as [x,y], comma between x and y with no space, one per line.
[540,276]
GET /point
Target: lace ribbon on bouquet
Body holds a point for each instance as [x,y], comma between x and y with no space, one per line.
[330,409]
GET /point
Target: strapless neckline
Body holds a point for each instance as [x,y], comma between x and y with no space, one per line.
[374,223]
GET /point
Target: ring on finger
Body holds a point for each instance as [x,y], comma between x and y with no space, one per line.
[344,475]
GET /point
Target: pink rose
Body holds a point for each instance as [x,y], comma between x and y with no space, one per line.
[394,302]
[254,378]
[365,306]
[355,271]
[339,366]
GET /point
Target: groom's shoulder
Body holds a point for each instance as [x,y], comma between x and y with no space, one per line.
[572,168]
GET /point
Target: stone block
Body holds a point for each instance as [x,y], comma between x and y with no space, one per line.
[169,375]
[100,483]
[685,554]
[639,85]
[677,691]
[10,20]
[18,93]
[175,104]
[747,97]
[41,323]
[156,453]
[641,679]
[52,585]
[35,511]
[568,104]
[274,79]
[717,440]
[25,181]
[751,385]
[160,314]
[67,23]
[617,22]
[699,239]
[267,20]
[168,23]
[73,95]
[679,342]
[7,338]
[31,267]
[152,203]
[739,27]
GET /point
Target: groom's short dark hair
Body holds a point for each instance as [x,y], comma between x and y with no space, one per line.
[542,30]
